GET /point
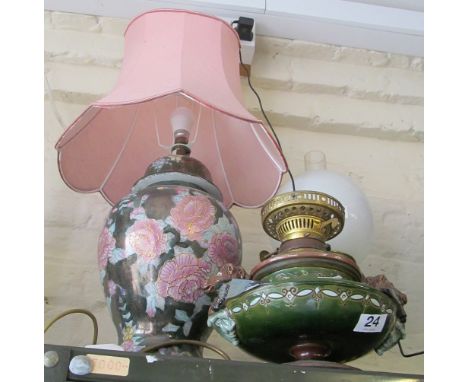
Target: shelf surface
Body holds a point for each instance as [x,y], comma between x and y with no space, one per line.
[171,369]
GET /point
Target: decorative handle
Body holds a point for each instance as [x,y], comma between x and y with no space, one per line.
[392,338]
[227,272]
[224,325]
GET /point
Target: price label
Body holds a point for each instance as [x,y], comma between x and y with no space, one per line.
[370,323]
[104,364]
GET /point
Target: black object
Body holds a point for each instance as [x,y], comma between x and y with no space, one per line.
[244,28]
[408,355]
[175,369]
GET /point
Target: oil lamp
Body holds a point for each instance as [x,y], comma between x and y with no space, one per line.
[305,302]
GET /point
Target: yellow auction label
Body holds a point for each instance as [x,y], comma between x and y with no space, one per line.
[104,364]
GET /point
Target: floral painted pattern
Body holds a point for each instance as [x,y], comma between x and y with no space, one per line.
[147,239]
[159,247]
[223,249]
[130,341]
[193,215]
[111,287]
[138,213]
[118,254]
[183,278]
[105,246]
[153,300]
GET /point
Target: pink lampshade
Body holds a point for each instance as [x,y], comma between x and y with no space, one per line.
[173,58]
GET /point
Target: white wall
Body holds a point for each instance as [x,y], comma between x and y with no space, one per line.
[363,109]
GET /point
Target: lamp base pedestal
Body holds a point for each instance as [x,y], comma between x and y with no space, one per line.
[321,364]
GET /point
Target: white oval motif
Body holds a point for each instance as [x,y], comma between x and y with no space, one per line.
[236,309]
[275,295]
[375,302]
[357,297]
[255,301]
[389,311]
[304,292]
[329,293]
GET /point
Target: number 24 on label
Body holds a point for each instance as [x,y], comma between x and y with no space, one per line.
[370,323]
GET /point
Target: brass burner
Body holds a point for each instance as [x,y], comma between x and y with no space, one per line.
[299,214]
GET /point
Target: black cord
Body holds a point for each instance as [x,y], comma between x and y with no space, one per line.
[408,355]
[266,118]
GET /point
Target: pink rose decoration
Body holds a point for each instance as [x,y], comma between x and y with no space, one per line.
[105,246]
[183,278]
[112,287]
[146,239]
[129,345]
[192,216]
[223,249]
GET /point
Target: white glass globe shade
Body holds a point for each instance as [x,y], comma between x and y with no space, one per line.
[357,235]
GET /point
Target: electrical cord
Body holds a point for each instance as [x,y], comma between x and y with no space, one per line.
[76,311]
[265,116]
[147,350]
[408,355]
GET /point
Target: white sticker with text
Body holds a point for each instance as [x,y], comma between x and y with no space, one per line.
[109,365]
[370,323]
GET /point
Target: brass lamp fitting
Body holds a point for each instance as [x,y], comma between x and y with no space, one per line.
[303,214]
